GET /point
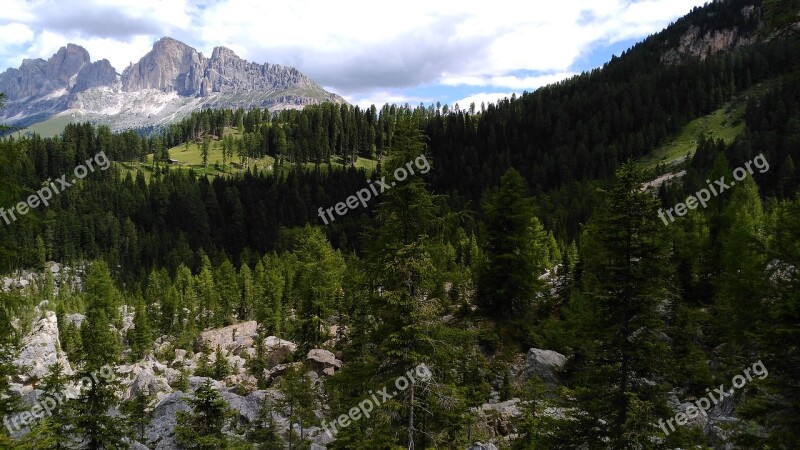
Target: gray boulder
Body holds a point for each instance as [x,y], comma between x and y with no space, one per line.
[482,446]
[323,362]
[228,339]
[544,364]
[161,431]
[278,351]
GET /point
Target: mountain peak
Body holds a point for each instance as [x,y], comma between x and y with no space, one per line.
[170,66]
[223,53]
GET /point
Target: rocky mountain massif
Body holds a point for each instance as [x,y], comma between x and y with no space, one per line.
[168,83]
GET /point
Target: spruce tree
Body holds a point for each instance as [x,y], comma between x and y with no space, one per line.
[139,412]
[405,335]
[264,433]
[51,432]
[619,353]
[101,347]
[140,336]
[515,251]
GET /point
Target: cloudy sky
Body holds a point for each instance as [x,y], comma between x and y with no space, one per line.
[368,51]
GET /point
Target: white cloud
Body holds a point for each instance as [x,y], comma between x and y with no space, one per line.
[483,97]
[15,34]
[362,49]
[383,97]
[528,83]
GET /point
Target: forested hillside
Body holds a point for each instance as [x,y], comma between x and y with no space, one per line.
[541,295]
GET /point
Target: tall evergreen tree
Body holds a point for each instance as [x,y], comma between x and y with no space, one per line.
[616,318]
[94,427]
[515,250]
[202,427]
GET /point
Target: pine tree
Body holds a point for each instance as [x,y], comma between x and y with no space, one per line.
[248,292]
[52,431]
[317,284]
[206,291]
[9,305]
[204,148]
[741,284]
[271,281]
[202,428]
[227,286]
[221,367]
[774,402]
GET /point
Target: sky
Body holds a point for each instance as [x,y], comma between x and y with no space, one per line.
[370,52]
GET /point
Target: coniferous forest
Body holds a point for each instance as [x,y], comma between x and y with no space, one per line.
[525,288]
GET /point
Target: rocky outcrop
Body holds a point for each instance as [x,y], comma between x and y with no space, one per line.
[278,350]
[37,77]
[174,66]
[170,66]
[696,43]
[497,418]
[482,446]
[228,339]
[544,364]
[96,74]
[39,350]
[323,362]
[42,87]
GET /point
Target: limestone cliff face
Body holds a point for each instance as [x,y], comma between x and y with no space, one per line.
[36,77]
[696,43]
[702,37]
[96,74]
[170,66]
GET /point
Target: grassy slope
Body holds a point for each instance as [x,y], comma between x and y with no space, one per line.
[725,123]
[51,127]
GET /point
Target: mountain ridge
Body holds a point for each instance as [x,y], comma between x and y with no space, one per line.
[168,82]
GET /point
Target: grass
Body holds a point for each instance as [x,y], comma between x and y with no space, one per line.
[51,127]
[725,123]
[189,157]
